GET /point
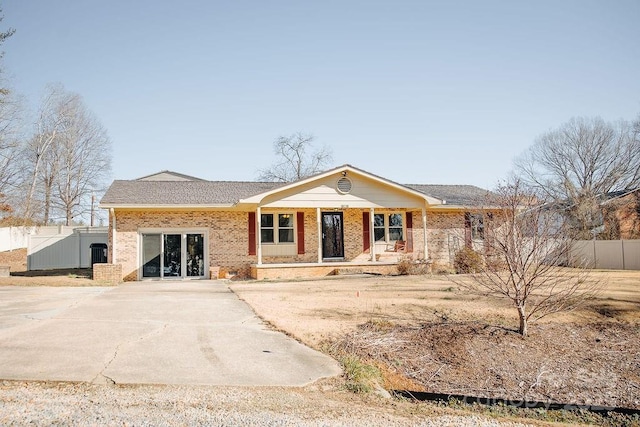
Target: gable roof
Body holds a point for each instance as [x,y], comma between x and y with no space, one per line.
[346,168]
[172,189]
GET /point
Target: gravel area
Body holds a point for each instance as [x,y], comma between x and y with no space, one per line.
[23,403]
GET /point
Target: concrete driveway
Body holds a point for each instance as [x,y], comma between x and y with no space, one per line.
[191,332]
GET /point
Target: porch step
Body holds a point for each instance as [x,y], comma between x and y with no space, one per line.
[345,271]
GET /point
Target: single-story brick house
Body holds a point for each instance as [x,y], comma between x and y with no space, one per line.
[170,225]
[621,215]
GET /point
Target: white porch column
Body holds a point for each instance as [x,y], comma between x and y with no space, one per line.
[319,222]
[372,237]
[113,236]
[424,233]
[259,235]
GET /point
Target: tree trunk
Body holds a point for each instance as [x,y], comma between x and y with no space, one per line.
[47,199]
[523,320]
[32,190]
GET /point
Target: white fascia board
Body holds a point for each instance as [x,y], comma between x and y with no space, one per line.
[135,206]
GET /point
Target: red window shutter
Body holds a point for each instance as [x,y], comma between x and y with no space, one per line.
[409,232]
[300,225]
[366,233]
[252,233]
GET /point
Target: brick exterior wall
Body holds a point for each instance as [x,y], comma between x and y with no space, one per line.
[445,236]
[227,234]
[227,237]
[109,273]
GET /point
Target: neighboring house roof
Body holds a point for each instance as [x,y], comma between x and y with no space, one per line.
[167,188]
[167,175]
[615,195]
[460,195]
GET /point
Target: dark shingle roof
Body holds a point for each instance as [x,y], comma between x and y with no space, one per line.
[161,190]
[463,195]
[191,193]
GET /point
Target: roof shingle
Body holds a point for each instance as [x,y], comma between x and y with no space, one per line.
[143,192]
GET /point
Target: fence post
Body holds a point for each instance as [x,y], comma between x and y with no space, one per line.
[623,254]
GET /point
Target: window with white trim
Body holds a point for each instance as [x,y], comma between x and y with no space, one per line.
[277,228]
[388,227]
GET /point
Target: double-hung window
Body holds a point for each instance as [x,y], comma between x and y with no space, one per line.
[476,223]
[277,228]
[388,227]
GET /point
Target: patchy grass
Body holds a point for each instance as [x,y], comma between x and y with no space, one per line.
[360,377]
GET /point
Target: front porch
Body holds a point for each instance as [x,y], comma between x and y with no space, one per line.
[309,270]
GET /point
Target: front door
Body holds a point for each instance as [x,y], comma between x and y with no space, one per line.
[332,235]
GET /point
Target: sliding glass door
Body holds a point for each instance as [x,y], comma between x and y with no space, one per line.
[172,255]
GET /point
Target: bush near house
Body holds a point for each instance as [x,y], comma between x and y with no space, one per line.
[467,261]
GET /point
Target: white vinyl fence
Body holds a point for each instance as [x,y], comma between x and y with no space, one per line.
[63,247]
[14,237]
[607,254]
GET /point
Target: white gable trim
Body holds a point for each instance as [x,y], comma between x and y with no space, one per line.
[258,198]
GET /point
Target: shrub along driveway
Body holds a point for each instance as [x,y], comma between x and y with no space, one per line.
[192,332]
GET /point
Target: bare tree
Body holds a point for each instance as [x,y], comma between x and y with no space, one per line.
[53,113]
[68,157]
[579,162]
[525,245]
[83,159]
[4,35]
[297,159]
[10,144]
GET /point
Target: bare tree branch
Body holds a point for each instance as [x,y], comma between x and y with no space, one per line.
[296,159]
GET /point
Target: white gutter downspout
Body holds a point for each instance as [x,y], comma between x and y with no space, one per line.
[372,237]
[113,235]
[259,234]
[424,233]
[320,238]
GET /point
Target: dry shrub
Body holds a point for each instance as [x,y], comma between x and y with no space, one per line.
[409,266]
[467,261]
[440,268]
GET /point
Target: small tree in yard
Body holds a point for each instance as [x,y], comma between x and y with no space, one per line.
[525,246]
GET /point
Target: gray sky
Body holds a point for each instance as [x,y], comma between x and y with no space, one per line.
[415,91]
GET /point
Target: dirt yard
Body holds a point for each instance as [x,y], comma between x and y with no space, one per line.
[425,334]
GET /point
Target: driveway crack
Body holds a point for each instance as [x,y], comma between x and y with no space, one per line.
[101,378]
